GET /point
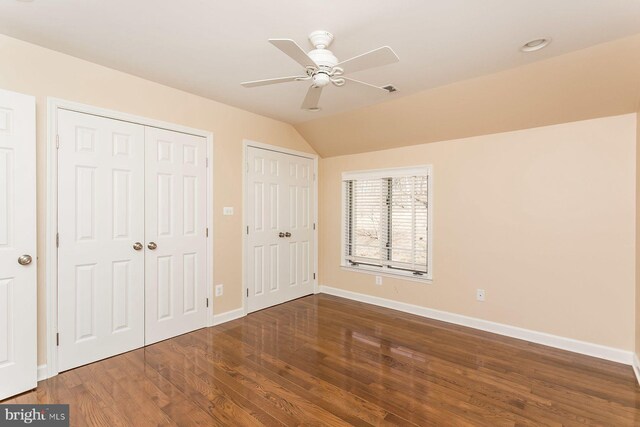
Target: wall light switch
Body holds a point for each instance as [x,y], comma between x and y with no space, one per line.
[219,290]
[480,294]
[227,210]
[378,280]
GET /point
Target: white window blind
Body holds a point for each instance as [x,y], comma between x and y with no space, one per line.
[386,223]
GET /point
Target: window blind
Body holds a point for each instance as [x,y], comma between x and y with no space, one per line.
[386,222]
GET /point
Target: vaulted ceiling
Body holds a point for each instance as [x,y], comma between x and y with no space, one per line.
[603,80]
[460,71]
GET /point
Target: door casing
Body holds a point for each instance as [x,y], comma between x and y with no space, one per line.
[51,250]
[245,145]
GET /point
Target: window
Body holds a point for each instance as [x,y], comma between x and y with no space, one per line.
[387,221]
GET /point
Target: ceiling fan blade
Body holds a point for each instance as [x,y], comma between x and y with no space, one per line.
[375,58]
[294,51]
[272,81]
[366,84]
[313,97]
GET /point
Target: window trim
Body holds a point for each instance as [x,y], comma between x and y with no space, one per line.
[389,173]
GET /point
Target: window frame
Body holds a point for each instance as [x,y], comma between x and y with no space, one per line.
[422,170]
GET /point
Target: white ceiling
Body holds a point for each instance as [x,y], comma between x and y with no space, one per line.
[208,47]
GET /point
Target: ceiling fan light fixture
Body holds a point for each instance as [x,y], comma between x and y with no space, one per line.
[535,45]
[321,79]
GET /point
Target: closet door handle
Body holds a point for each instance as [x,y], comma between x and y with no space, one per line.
[152,245]
[24,260]
[287,234]
[137,246]
[281,234]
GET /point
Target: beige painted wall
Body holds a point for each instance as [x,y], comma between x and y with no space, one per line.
[543,219]
[41,72]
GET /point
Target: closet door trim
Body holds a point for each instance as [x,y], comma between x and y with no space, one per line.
[51,251]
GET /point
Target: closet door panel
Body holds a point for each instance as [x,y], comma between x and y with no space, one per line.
[175,233]
[100,218]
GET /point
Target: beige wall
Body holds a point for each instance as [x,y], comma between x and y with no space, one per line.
[543,219]
[41,72]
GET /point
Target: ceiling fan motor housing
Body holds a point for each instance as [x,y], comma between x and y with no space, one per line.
[324,58]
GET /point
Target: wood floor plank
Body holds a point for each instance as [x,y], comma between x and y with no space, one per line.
[324,360]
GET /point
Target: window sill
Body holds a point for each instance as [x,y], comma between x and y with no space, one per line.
[377,271]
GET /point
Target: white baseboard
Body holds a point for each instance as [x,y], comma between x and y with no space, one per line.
[228,316]
[636,367]
[569,344]
[43,372]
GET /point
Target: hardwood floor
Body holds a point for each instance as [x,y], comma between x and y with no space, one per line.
[323,360]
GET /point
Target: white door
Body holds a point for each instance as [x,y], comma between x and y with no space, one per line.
[280,219]
[18,317]
[100,222]
[176,274]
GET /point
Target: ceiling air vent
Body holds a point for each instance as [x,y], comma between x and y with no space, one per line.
[389,88]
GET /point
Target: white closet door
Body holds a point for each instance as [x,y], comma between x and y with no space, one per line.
[18,364]
[280,242]
[175,232]
[100,219]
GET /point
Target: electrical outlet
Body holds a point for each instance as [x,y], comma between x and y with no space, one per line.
[227,210]
[378,280]
[219,290]
[480,294]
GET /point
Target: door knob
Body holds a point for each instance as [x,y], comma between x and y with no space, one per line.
[281,234]
[287,234]
[24,260]
[152,245]
[137,246]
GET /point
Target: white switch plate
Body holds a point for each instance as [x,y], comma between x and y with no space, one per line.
[219,290]
[480,294]
[378,280]
[227,210]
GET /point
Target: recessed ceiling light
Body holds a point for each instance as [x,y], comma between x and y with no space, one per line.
[534,45]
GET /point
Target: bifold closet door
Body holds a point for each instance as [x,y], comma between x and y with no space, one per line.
[176,297]
[280,241]
[101,231]
[18,317]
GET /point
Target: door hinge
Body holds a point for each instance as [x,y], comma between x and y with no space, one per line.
[57,240]
[314,276]
[57,141]
[207,302]
[314,225]
[206,233]
[57,339]
[247,229]
[247,292]
[206,162]
[314,176]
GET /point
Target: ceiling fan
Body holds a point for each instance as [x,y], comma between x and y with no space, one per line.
[322,67]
